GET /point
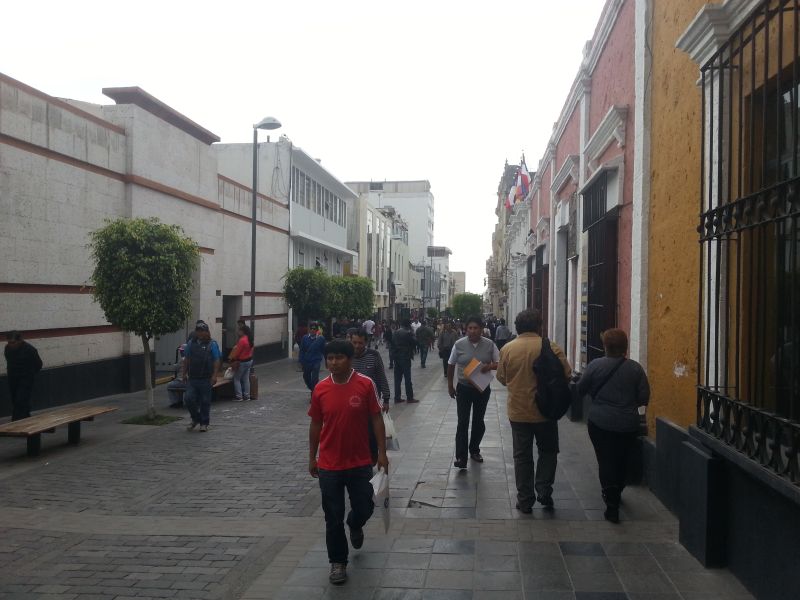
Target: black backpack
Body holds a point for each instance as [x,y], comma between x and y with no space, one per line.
[553,396]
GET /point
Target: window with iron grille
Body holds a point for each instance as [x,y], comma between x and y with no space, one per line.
[601,227]
[749,333]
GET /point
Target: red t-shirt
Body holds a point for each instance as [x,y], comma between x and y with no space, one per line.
[243,351]
[344,409]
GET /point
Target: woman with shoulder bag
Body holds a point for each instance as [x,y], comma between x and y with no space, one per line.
[241,360]
[618,387]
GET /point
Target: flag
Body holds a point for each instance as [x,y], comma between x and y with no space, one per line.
[510,198]
[523,182]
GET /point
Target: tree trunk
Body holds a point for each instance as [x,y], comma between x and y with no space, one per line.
[148,379]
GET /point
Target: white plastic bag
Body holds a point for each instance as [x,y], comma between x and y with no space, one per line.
[391,433]
[380,491]
[228,374]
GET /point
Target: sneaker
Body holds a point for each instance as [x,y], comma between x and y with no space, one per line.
[191,426]
[525,510]
[546,501]
[412,401]
[612,514]
[204,428]
[237,399]
[338,573]
[356,538]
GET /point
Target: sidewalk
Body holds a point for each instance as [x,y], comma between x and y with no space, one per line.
[161,513]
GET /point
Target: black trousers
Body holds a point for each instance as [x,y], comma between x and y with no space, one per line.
[613,450]
[333,485]
[469,398]
[20,389]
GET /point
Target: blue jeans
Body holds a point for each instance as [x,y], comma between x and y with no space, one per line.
[423,353]
[332,485]
[311,375]
[402,368]
[241,379]
[198,400]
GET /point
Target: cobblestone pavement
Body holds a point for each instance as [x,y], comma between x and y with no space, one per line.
[162,513]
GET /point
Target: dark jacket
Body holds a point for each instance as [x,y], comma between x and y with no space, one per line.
[403,344]
[23,362]
[312,350]
[615,406]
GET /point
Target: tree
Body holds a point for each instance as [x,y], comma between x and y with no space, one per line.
[351,297]
[307,292]
[143,280]
[432,313]
[466,305]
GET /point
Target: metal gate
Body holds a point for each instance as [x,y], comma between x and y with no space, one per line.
[602,265]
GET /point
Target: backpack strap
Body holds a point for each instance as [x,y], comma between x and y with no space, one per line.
[607,378]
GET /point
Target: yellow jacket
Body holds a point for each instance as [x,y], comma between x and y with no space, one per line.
[515,371]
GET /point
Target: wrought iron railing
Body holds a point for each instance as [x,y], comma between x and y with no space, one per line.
[748,371]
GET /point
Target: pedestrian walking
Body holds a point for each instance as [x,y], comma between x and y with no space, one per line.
[388,332]
[424,339]
[515,371]
[468,397]
[241,359]
[368,361]
[200,371]
[618,387]
[369,327]
[447,338]
[341,406]
[501,335]
[403,346]
[22,365]
[312,348]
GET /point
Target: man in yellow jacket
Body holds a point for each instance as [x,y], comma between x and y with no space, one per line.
[515,371]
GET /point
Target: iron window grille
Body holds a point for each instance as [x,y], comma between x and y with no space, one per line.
[748,372]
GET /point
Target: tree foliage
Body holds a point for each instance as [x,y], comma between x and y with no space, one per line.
[143,275]
[466,305]
[142,279]
[354,297]
[314,294]
[307,292]
[431,312]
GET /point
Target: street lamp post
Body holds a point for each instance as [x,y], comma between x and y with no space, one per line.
[265,123]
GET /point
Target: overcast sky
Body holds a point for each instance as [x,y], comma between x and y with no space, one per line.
[437,90]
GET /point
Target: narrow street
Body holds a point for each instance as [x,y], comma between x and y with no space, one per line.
[158,512]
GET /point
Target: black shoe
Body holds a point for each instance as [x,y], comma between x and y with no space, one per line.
[423,366]
[525,510]
[338,573]
[546,501]
[412,401]
[476,457]
[356,538]
[612,514]
[460,463]
[398,400]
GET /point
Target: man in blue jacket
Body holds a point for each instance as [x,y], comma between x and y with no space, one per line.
[312,351]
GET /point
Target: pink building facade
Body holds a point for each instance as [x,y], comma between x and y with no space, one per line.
[582,197]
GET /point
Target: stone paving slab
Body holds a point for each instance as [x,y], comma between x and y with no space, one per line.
[137,512]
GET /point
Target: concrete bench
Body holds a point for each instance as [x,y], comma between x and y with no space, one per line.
[33,427]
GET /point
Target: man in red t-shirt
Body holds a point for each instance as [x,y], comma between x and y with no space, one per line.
[341,406]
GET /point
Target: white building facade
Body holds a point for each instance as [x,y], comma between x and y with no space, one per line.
[68,166]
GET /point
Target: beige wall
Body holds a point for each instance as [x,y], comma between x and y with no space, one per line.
[674,207]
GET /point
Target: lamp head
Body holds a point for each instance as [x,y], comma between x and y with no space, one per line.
[267,123]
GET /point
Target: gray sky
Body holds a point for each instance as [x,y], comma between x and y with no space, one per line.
[444,91]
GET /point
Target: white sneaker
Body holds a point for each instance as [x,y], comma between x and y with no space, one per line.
[191,427]
[204,428]
[239,399]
